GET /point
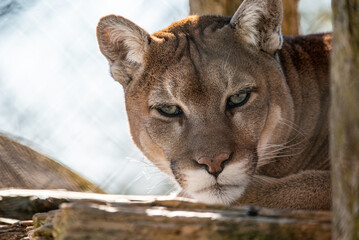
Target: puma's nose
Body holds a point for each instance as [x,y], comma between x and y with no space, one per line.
[215,165]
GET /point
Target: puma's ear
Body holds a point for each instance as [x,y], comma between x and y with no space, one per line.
[124,44]
[258,22]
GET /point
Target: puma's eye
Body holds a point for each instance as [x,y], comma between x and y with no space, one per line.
[238,100]
[170,111]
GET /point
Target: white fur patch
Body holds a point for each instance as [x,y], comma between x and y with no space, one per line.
[228,187]
[248,18]
[198,179]
[135,39]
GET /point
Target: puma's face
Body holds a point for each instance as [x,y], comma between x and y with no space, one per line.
[206,109]
[202,112]
[203,102]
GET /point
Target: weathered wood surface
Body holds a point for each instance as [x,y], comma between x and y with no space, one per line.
[11,229]
[160,220]
[344,119]
[100,216]
[24,203]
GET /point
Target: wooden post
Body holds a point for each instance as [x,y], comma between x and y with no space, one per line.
[86,216]
[228,7]
[344,119]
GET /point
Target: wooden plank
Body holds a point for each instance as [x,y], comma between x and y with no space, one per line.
[86,220]
[101,216]
[24,203]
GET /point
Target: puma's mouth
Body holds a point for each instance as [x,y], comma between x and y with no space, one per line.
[222,195]
[217,187]
[224,190]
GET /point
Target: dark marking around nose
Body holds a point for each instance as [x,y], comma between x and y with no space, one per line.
[215,165]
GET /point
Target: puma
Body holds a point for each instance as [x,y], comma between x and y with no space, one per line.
[229,108]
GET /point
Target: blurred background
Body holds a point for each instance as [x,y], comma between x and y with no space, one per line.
[57,94]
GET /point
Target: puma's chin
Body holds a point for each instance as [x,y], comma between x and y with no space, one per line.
[221,195]
[224,190]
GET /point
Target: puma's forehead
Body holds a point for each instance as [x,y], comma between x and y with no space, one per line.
[186,62]
[206,24]
[194,37]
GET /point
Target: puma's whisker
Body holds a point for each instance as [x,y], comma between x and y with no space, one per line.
[263,178]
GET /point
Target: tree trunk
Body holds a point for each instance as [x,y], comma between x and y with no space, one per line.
[344,119]
[222,7]
[290,23]
[228,7]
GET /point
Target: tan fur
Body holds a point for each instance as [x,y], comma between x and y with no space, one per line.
[277,141]
[22,167]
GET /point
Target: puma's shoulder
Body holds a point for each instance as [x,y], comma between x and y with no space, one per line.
[308,52]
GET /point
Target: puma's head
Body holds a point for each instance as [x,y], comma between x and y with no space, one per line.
[204,96]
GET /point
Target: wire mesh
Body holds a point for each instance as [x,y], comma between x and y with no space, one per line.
[56,90]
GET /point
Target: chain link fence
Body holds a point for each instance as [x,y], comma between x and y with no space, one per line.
[56,90]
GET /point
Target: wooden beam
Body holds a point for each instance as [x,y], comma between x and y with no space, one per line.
[101,216]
